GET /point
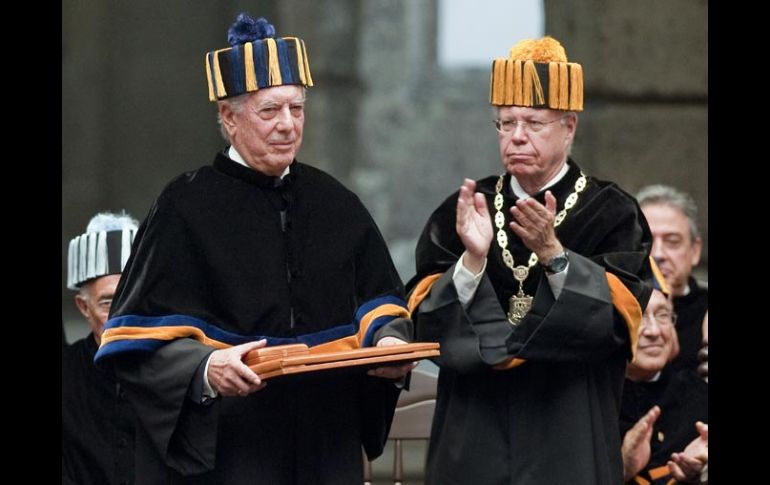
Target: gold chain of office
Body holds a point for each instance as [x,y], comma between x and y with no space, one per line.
[520,303]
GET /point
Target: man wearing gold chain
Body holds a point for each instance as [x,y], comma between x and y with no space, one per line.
[530,282]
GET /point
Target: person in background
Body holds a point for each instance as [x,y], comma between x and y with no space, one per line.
[530,282]
[97,422]
[663,416]
[672,216]
[256,249]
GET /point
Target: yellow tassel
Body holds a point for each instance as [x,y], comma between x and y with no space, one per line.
[274,68]
[553,85]
[300,62]
[208,77]
[221,92]
[306,64]
[248,65]
[499,87]
[563,86]
[508,82]
[576,87]
[533,91]
[492,83]
[518,85]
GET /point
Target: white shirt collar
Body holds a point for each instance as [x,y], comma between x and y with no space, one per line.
[519,191]
[236,157]
[655,377]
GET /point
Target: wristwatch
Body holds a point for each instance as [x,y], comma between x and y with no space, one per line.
[557,264]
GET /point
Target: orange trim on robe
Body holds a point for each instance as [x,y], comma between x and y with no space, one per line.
[354,341]
[421,291]
[659,472]
[160,333]
[625,303]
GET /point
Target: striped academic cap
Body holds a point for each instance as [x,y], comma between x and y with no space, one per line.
[103,249]
[256,59]
[536,74]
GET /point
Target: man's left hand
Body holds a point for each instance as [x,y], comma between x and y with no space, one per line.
[687,465]
[391,371]
[533,223]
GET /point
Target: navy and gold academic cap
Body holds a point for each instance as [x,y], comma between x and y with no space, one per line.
[256,59]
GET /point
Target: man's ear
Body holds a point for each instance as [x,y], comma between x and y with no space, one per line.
[82,305]
[697,245]
[226,114]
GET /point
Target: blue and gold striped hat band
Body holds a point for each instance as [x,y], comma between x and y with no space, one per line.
[537,75]
[96,254]
[256,60]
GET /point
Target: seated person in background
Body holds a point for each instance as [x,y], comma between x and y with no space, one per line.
[97,422]
[662,415]
[676,247]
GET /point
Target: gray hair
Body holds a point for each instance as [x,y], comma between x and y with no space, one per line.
[236,104]
[667,195]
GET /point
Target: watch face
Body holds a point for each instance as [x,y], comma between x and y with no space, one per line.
[558,264]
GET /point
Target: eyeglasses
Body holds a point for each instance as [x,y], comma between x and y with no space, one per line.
[663,318]
[509,126]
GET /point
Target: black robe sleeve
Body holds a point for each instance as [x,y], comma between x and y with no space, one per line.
[582,325]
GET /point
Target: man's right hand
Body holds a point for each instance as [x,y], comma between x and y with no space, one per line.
[636,448]
[227,373]
[474,226]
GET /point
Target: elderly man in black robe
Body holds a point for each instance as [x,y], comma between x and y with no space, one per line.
[530,282]
[256,249]
[98,424]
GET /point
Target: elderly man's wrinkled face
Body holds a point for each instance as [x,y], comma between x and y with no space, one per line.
[94,301]
[658,342]
[534,151]
[672,245]
[267,128]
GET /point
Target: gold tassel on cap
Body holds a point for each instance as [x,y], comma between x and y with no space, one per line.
[274,68]
[300,62]
[498,92]
[208,77]
[509,82]
[221,92]
[563,86]
[248,58]
[576,87]
[533,90]
[518,85]
[306,64]
[553,85]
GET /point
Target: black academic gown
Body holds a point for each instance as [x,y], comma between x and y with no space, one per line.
[683,400]
[97,421]
[554,418]
[690,310]
[239,256]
